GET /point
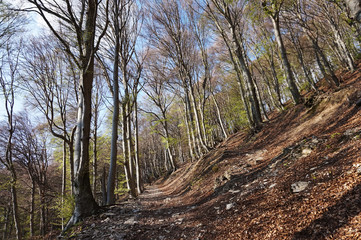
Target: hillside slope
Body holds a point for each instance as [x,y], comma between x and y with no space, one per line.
[299,178]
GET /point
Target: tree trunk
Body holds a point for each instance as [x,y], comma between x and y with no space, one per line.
[219,117]
[115,122]
[190,126]
[63,187]
[32,208]
[342,46]
[197,122]
[238,73]
[168,144]
[261,102]
[71,159]
[326,63]
[136,149]
[249,83]
[286,64]
[42,211]
[190,145]
[276,83]
[15,207]
[6,221]
[132,176]
[95,153]
[85,204]
[103,187]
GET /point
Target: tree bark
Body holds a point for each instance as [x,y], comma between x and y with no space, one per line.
[326,63]
[219,117]
[342,46]
[197,122]
[63,187]
[286,64]
[115,122]
[15,205]
[32,208]
[136,149]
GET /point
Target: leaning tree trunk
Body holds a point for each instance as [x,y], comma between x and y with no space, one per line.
[190,145]
[168,147]
[219,117]
[286,64]
[238,72]
[342,46]
[326,64]
[190,125]
[249,83]
[197,122]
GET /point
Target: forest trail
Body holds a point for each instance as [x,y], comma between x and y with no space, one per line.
[299,178]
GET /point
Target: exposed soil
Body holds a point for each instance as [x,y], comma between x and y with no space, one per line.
[242,189]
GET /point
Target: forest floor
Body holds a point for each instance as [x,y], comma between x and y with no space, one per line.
[298,178]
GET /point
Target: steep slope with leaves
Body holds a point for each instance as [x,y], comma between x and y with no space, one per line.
[299,178]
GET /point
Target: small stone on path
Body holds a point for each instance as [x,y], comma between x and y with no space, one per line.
[299,186]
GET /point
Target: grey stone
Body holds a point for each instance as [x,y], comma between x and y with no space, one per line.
[229,206]
[306,152]
[299,186]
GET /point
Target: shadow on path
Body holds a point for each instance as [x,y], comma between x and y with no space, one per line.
[334,218]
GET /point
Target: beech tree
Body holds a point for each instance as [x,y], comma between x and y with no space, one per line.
[81,43]
[30,152]
[232,18]
[49,80]
[9,71]
[156,90]
[272,9]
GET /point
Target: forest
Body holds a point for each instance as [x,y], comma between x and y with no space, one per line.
[100,98]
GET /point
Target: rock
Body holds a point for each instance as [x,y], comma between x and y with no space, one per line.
[348,132]
[109,214]
[229,206]
[226,176]
[299,186]
[234,191]
[314,140]
[306,152]
[130,221]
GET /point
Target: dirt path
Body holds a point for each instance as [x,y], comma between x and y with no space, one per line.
[242,189]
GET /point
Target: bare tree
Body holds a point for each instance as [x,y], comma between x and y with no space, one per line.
[30,152]
[273,9]
[8,74]
[156,90]
[81,43]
